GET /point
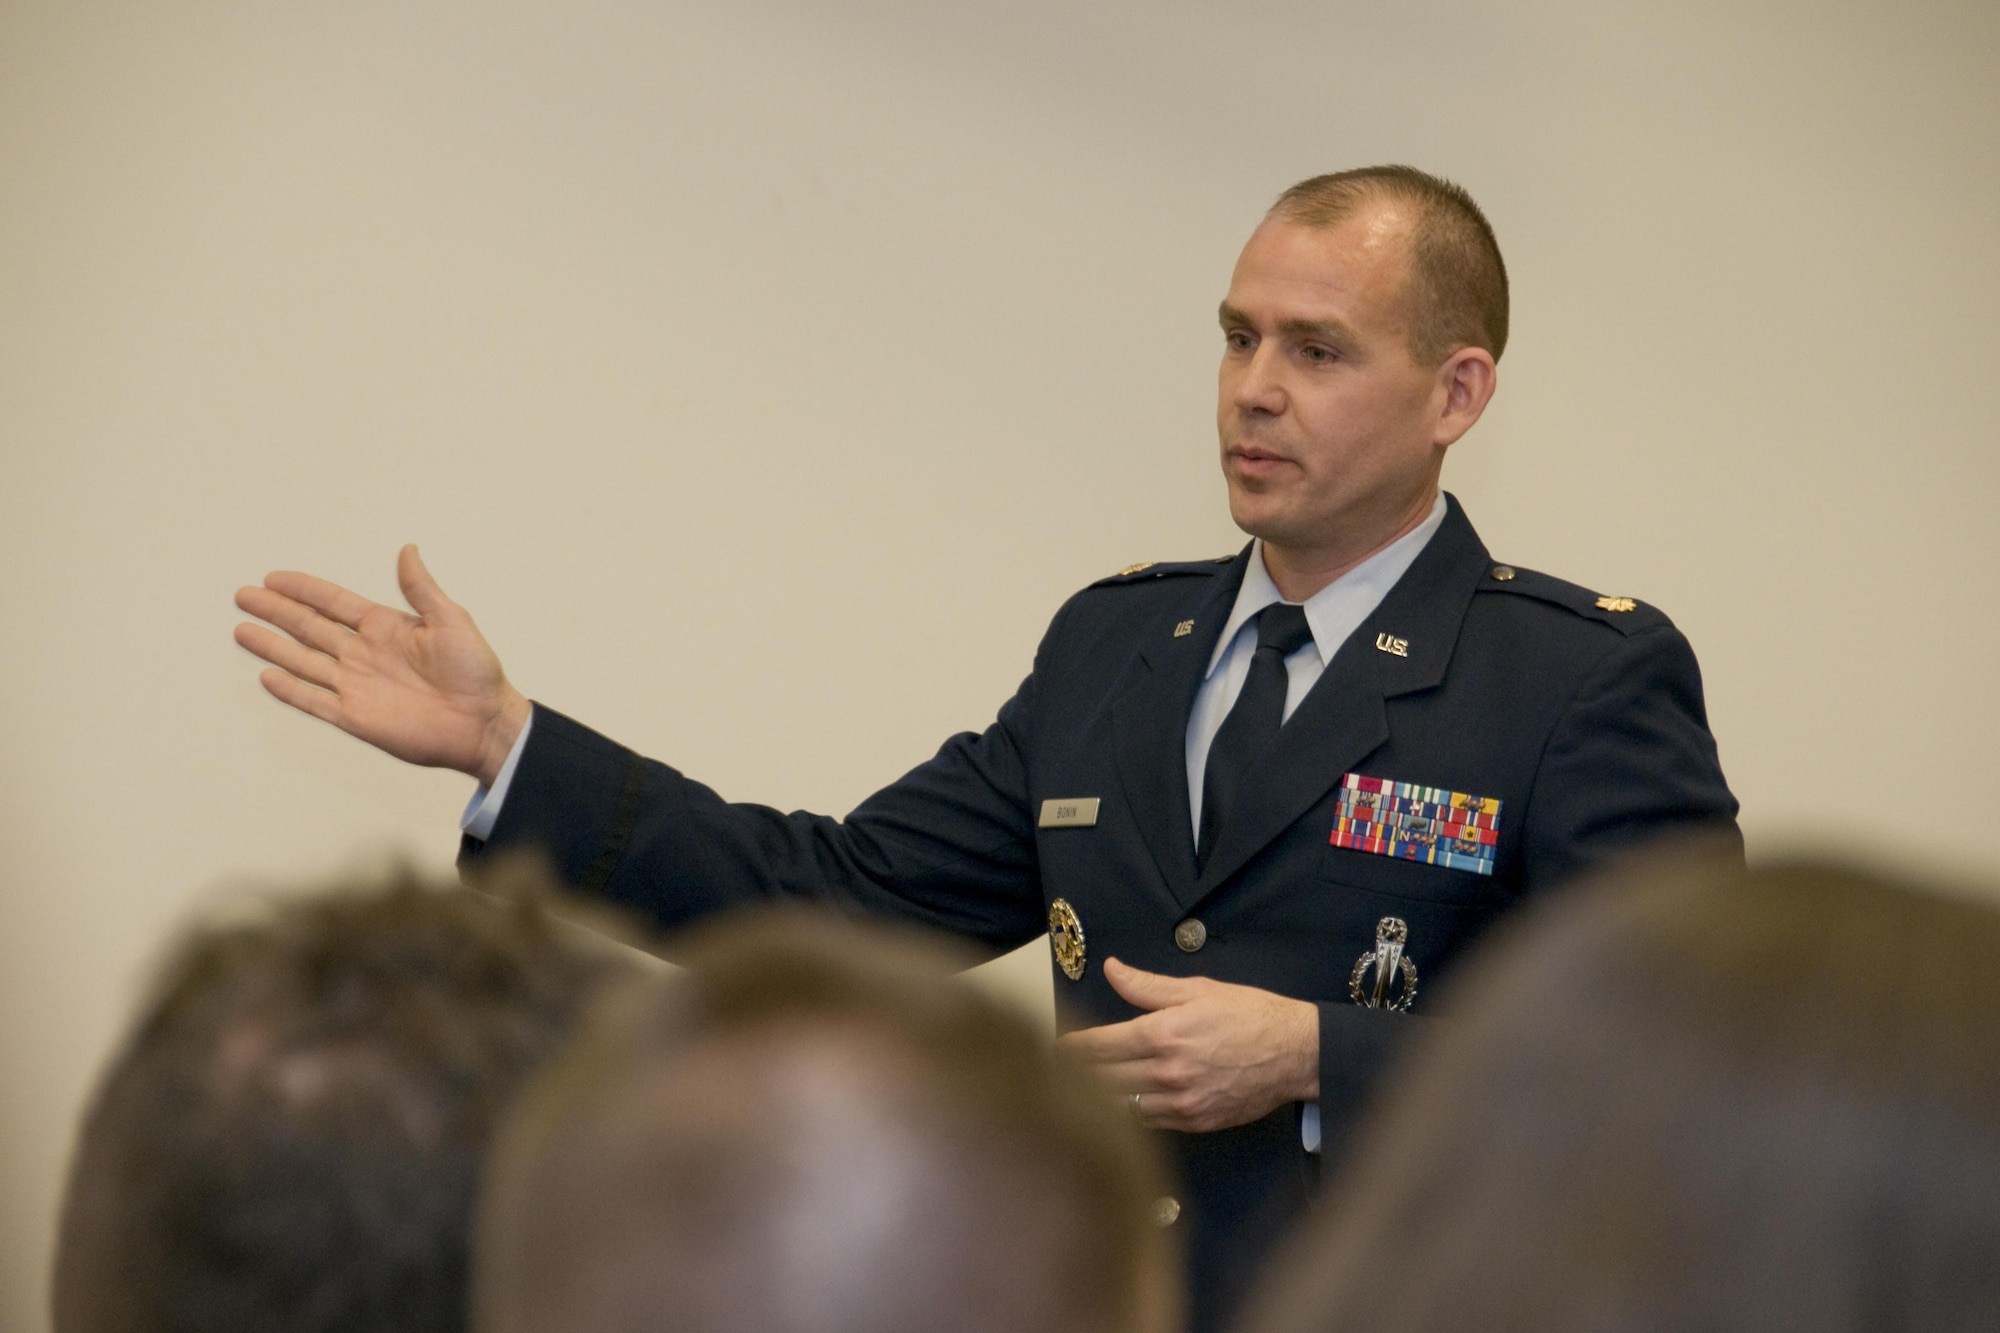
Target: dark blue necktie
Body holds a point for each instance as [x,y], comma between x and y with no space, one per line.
[1252,723]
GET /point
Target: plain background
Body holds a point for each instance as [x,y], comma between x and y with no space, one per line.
[763,376]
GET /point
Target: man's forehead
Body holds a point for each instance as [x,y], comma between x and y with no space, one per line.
[1351,270]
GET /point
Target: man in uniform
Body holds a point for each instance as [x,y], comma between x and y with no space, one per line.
[1254,801]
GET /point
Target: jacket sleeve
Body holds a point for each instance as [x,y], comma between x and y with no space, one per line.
[950,845]
[1630,759]
[1357,1047]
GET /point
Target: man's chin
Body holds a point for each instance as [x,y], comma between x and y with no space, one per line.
[1255,515]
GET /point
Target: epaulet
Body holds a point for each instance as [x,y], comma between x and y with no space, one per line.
[1621,613]
[1147,570]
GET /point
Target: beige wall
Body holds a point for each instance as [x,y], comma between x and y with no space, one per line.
[763,381]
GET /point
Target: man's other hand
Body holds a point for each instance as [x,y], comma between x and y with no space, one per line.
[426,687]
[1207,1055]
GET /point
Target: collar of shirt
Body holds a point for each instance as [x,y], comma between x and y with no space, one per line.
[1335,610]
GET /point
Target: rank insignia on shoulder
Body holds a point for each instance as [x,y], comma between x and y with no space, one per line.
[1412,822]
[1139,568]
[1616,604]
[1066,938]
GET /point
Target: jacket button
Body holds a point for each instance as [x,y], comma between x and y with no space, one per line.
[1503,572]
[1166,1211]
[1190,935]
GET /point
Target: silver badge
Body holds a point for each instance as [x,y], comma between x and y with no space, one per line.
[1375,972]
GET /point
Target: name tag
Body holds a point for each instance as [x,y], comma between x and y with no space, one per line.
[1069,812]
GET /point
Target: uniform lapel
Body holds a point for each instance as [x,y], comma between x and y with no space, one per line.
[1149,727]
[1344,717]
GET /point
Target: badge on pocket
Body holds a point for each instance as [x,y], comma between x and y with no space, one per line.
[1372,984]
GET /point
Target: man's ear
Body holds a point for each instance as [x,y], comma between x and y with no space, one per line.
[1465,383]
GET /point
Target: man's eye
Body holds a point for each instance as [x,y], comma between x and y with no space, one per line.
[1238,340]
[1315,353]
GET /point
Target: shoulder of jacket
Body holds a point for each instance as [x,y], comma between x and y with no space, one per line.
[1146,571]
[1627,615]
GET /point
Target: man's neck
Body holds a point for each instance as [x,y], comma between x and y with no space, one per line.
[1299,572]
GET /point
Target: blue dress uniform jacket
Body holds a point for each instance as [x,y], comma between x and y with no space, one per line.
[1586,723]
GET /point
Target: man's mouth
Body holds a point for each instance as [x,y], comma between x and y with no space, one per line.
[1253,462]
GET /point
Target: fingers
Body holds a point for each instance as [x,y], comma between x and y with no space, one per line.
[1174,1110]
[294,658]
[1149,990]
[1111,1043]
[287,688]
[1158,1105]
[294,618]
[419,588]
[1139,1037]
[329,599]
[1126,1077]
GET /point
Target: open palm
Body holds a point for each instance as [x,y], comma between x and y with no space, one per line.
[425,688]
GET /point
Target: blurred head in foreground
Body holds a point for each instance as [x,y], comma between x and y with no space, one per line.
[816,1128]
[291,1138]
[1699,1098]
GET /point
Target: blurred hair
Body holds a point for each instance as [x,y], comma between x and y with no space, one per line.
[817,1128]
[1457,286]
[1703,1099]
[291,1137]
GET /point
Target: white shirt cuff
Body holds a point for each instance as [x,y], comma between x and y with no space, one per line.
[482,812]
[1309,1126]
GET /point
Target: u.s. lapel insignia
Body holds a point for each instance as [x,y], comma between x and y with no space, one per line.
[1373,982]
[1392,645]
[1185,628]
[1412,822]
[1066,938]
[1616,604]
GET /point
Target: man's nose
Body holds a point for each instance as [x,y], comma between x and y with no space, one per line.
[1261,389]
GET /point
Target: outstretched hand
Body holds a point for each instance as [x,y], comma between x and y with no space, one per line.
[1208,1055]
[426,688]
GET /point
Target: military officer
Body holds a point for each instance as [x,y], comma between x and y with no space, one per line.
[1256,801]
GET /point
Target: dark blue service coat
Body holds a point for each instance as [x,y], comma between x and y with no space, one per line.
[1585,722]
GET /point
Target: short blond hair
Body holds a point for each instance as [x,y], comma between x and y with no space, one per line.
[1457,281]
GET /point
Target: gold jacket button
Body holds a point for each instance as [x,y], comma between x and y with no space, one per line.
[1503,572]
[1166,1211]
[1190,935]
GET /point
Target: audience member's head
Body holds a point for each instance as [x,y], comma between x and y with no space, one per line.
[1697,1099]
[292,1136]
[815,1128]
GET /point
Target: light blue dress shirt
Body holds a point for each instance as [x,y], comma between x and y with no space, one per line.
[1333,613]
[482,812]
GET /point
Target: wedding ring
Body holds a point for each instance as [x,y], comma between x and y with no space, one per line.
[1135,1106]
